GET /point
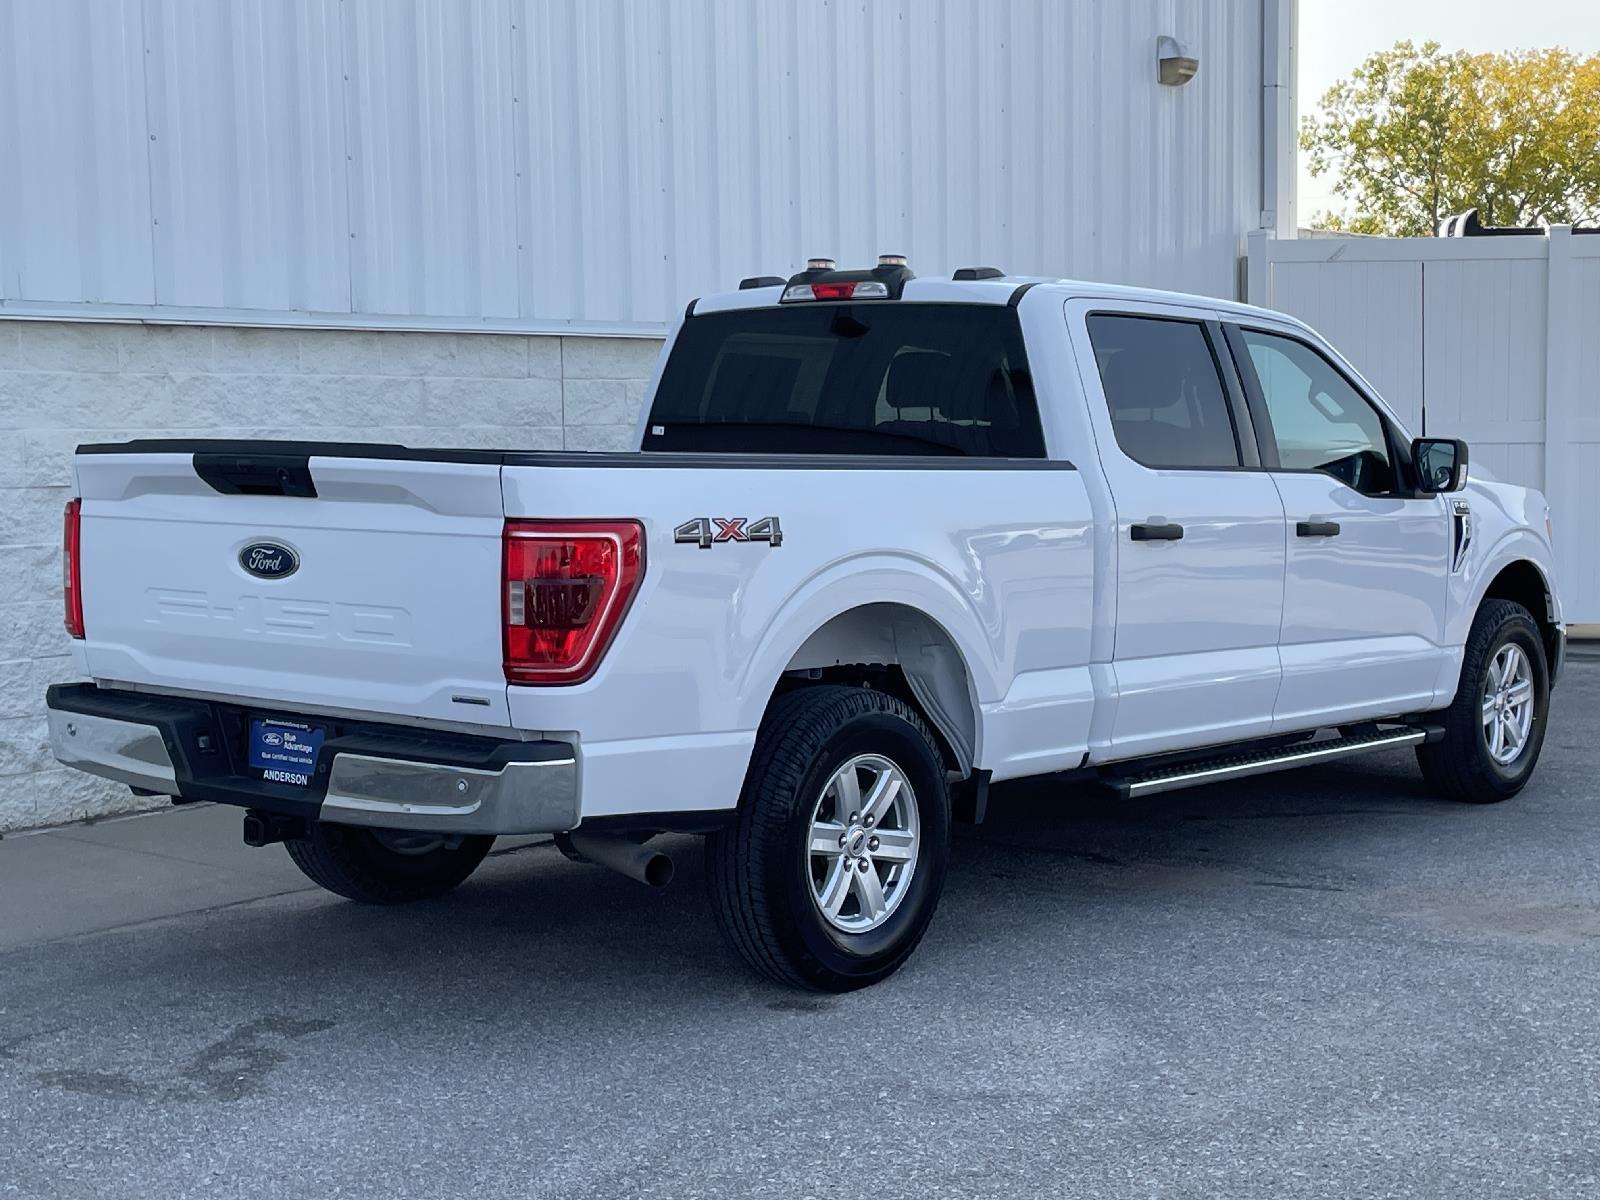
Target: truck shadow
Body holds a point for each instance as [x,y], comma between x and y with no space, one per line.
[1261,819]
[536,950]
[555,938]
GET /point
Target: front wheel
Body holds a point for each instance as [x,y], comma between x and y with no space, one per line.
[833,868]
[385,866]
[1495,727]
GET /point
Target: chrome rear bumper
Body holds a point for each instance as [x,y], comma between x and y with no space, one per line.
[394,793]
[127,752]
[388,777]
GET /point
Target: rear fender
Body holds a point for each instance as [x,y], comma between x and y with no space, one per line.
[856,583]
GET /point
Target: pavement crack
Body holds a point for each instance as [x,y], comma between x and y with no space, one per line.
[1104,860]
[229,1069]
[148,853]
[236,1066]
[175,916]
[1306,814]
[8,1049]
[1298,887]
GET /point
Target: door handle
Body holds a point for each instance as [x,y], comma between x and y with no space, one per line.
[1316,529]
[1145,532]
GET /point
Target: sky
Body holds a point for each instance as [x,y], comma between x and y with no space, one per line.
[1335,35]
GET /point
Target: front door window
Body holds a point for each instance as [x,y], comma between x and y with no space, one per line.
[1320,422]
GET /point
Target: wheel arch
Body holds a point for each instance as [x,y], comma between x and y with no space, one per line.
[882,590]
[1524,582]
[903,650]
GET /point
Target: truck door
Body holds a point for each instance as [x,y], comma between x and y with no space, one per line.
[1199,529]
[1368,561]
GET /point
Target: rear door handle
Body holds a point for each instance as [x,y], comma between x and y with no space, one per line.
[1144,532]
[1316,529]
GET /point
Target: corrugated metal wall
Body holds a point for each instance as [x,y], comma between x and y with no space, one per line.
[546,164]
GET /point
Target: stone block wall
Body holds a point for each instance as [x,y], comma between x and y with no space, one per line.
[62,383]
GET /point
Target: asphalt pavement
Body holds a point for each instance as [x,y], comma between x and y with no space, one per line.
[1323,983]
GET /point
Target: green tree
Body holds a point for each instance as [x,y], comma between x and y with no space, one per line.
[1415,134]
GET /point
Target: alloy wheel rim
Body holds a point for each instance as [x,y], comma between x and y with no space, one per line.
[865,835]
[1508,704]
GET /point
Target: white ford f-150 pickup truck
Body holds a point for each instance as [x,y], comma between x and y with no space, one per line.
[885,540]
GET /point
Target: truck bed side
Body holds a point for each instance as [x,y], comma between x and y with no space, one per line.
[999,556]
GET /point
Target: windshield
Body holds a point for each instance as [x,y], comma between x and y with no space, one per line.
[884,378]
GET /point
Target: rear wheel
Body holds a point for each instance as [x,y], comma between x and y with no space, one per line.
[833,868]
[1494,730]
[385,866]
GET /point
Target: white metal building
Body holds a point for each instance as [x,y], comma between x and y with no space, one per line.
[564,165]
[465,221]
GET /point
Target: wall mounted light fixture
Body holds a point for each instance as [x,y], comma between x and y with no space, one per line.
[1175,65]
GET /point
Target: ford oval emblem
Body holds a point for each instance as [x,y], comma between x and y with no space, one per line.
[269,560]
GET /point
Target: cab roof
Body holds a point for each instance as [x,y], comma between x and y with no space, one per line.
[998,288]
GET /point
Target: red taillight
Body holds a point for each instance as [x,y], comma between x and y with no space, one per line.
[568,585]
[71,568]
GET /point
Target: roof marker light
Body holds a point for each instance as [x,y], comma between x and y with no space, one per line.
[891,260]
[819,264]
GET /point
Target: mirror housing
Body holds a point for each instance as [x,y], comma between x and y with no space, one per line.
[1441,464]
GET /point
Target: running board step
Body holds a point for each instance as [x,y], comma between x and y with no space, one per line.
[1259,762]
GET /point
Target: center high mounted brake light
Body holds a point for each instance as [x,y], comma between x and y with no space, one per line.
[864,289]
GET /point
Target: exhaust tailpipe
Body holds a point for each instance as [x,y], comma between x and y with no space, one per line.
[628,858]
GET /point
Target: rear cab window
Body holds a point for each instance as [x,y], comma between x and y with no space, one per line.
[869,378]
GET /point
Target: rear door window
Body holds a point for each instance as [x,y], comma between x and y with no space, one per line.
[1165,395]
[886,378]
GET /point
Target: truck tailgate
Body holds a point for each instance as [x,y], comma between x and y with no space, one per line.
[387,602]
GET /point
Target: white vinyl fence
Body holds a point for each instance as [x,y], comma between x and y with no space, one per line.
[1495,340]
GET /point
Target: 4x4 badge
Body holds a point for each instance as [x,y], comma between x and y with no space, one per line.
[705,532]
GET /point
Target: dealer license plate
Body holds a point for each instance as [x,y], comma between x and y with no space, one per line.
[284,751]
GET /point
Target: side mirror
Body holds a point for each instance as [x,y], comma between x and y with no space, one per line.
[1441,464]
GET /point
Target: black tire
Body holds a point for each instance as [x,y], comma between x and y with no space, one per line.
[367,865]
[1460,767]
[759,869]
